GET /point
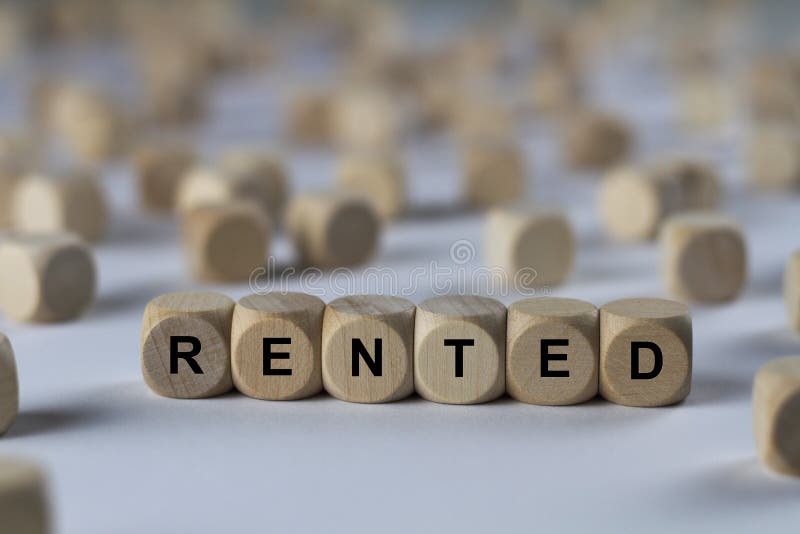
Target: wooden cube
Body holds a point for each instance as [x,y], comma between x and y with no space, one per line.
[645,352]
[634,202]
[160,167]
[9,385]
[699,186]
[534,246]
[333,229]
[460,349]
[597,140]
[310,117]
[775,157]
[380,177]
[23,498]
[776,414]
[72,202]
[552,354]
[186,345]
[706,101]
[258,176]
[10,175]
[494,172]
[367,348]
[46,277]
[366,118]
[555,89]
[276,346]
[225,242]
[704,258]
[791,290]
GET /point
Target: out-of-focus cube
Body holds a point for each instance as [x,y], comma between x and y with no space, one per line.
[380,177]
[494,172]
[160,167]
[776,415]
[24,505]
[596,140]
[775,158]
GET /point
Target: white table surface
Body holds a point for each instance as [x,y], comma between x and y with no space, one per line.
[123,460]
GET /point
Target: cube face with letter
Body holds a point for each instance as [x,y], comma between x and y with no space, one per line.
[276,346]
[460,349]
[367,348]
[552,351]
[645,352]
[186,340]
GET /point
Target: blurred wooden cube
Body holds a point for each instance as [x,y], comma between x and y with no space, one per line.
[225,242]
[9,385]
[596,140]
[380,177]
[534,246]
[494,172]
[776,415]
[46,277]
[704,258]
[24,505]
[334,229]
[160,167]
[775,157]
[72,201]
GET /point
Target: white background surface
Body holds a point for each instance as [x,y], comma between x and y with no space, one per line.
[123,460]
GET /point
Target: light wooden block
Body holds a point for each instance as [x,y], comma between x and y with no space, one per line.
[276,346]
[367,348]
[159,168]
[534,246]
[23,498]
[597,140]
[186,345]
[460,349]
[776,415]
[10,175]
[699,187]
[46,277]
[494,172]
[72,202]
[704,257]
[634,202]
[706,101]
[381,177]
[552,354]
[225,242]
[555,90]
[334,229]
[9,385]
[791,290]
[258,176]
[310,117]
[775,158]
[366,119]
[645,352]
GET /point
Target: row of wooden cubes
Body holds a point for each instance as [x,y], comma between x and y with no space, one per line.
[449,349]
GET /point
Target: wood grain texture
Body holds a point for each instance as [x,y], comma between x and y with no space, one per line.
[160,167]
[704,258]
[334,229]
[71,202]
[382,325]
[46,277]
[791,290]
[480,320]
[533,245]
[665,323]
[494,171]
[296,317]
[567,329]
[596,140]
[206,316]
[380,177]
[9,385]
[776,415]
[24,505]
[225,242]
